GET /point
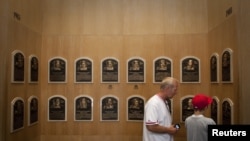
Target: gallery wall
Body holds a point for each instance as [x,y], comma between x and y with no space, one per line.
[22,31]
[122,30]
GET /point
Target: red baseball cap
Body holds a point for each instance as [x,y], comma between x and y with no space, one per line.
[200,101]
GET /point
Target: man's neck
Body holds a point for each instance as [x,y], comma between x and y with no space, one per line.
[161,96]
[198,112]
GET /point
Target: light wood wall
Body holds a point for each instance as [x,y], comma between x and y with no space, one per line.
[3,54]
[148,47]
[221,36]
[22,33]
[121,29]
[122,17]
[243,39]
[220,39]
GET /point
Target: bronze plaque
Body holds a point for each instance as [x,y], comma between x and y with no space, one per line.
[83,70]
[83,108]
[57,109]
[187,108]
[109,109]
[136,70]
[18,67]
[162,69]
[190,70]
[57,70]
[226,69]
[110,70]
[33,111]
[214,111]
[33,69]
[18,115]
[213,69]
[226,113]
[135,109]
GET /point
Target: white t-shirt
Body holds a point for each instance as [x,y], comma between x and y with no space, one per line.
[156,112]
[197,126]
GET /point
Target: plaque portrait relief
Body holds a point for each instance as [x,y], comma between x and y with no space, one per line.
[110,70]
[135,108]
[214,68]
[33,110]
[136,71]
[33,69]
[226,66]
[187,107]
[190,70]
[18,67]
[227,112]
[214,110]
[109,106]
[83,108]
[17,114]
[57,109]
[162,68]
[57,70]
[83,70]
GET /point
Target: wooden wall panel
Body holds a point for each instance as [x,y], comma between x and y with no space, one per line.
[122,48]
[217,11]
[185,17]
[23,34]
[29,43]
[219,39]
[30,13]
[121,29]
[124,17]
[143,17]
[4,55]
[243,40]
[102,17]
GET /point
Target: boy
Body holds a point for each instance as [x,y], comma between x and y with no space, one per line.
[197,124]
